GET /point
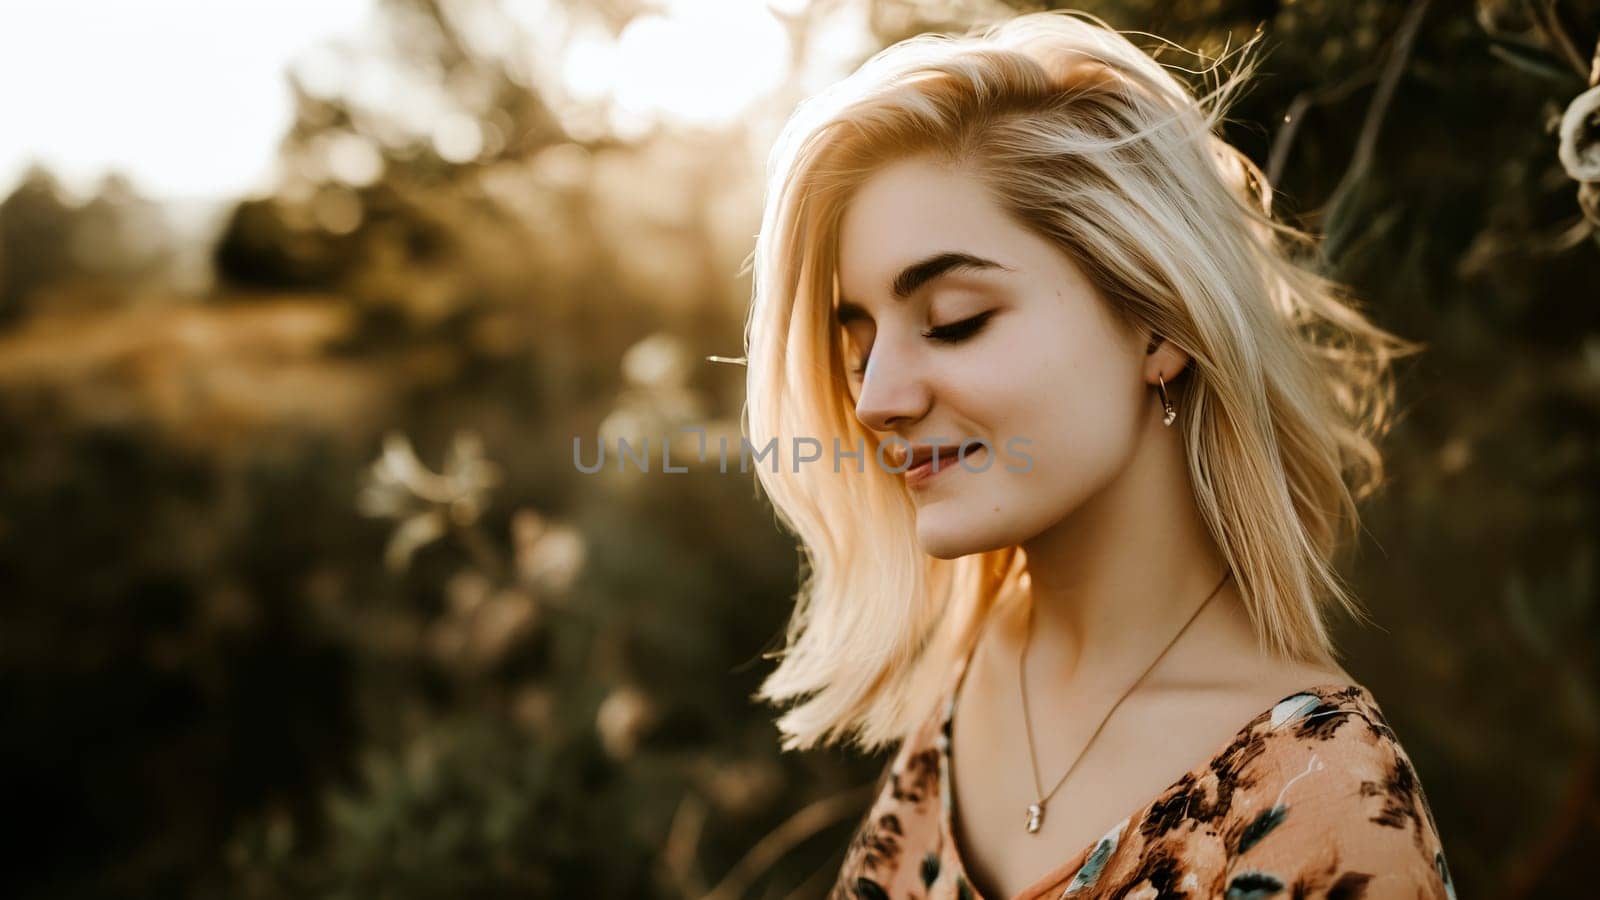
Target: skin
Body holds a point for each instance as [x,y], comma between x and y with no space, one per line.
[1118,556]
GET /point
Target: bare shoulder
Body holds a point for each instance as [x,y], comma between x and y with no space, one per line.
[1217,704]
[1261,683]
[1282,680]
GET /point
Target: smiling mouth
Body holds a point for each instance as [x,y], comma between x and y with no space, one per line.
[924,455]
[923,471]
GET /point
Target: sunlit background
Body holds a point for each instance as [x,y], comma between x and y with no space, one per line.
[302,303]
[188,100]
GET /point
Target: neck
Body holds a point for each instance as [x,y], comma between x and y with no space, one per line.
[1111,584]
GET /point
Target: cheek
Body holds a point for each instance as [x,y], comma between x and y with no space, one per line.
[1075,401]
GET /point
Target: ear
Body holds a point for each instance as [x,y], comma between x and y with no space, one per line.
[1164,358]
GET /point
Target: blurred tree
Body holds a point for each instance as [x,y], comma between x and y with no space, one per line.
[35,240]
[61,256]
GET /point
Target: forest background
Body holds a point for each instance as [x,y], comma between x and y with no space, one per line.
[302,595]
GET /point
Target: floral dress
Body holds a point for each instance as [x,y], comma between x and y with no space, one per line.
[1314,797]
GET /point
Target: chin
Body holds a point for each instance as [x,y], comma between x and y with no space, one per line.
[950,540]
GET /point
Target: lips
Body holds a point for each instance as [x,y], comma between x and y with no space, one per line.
[921,453]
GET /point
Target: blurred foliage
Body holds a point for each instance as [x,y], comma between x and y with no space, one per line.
[304,597]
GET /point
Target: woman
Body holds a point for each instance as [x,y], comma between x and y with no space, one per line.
[1098,624]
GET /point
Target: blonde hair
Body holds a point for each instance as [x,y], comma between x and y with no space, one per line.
[1094,145]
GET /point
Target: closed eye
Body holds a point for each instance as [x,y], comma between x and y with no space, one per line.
[958,331]
[954,333]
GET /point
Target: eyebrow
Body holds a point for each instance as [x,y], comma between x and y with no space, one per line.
[920,273]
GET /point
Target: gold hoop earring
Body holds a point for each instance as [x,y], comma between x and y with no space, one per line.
[1170,411]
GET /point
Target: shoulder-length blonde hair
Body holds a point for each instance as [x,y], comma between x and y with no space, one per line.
[1094,145]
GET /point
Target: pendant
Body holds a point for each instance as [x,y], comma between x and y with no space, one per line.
[1035,813]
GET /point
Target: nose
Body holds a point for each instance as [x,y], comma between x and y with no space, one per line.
[893,390]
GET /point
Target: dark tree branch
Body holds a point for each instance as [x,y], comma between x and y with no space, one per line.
[1548,19]
[1302,103]
[1361,159]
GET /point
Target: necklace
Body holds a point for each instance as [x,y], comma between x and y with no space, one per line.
[1036,809]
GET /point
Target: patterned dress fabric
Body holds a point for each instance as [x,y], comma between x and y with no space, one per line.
[1312,798]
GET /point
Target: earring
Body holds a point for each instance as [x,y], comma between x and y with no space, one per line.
[1170,411]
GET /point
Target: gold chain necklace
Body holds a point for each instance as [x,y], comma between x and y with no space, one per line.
[1036,809]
